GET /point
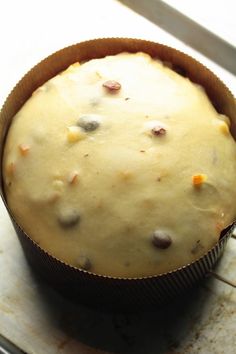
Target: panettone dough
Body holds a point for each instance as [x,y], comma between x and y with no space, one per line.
[122,167]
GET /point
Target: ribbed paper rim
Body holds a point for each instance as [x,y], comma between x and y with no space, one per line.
[153,48]
[228,230]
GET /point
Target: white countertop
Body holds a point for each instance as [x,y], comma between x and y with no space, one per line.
[32,316]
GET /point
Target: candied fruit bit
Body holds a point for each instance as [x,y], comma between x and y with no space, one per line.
[158,131]
[75,134]
[199,179]
[161,239]
[112,85]
[224,128]
[73,178]
[219,226]
[155,128]
[24,149]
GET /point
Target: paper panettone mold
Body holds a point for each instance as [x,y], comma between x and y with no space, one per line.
[86,287]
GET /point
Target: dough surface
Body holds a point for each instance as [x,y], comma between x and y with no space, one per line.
[122,167]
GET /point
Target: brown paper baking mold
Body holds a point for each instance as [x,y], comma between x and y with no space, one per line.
[86,287]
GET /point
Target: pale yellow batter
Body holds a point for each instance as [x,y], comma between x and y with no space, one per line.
[122,167]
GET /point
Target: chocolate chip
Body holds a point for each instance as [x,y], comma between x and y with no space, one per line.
[83,262]
[68,218]
[158,131]
[88,122]
[112,85]
[161,239]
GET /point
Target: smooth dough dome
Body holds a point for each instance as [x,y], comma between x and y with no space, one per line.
[122,167]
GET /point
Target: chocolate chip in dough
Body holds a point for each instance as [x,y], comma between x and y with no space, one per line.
[68,218]
[88,122]
[83,262]
[161,239]
[112,85]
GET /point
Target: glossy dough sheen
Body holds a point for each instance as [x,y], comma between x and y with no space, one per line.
[97,195]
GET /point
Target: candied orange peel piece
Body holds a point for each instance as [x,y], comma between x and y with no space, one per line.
[73,178]
[199,179]
[75,134]
[24,149]
[224,128]
[219,226]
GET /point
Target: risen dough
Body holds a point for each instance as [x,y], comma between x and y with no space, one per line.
[122,167]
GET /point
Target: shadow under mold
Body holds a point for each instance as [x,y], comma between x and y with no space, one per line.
[155,331]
